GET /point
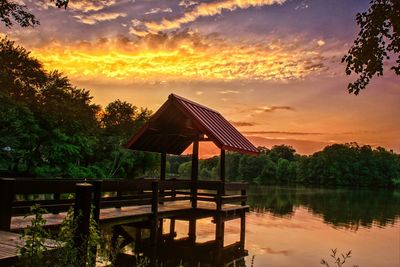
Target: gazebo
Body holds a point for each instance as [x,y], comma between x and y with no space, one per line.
[176,125]
[179,123]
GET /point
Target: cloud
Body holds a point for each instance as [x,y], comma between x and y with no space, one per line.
[86,6]
[158,10]
[138,28]
[180,56]
[92,19]
[205,10]
[321,42]
[225,92]
[188,3]
[271,109]
[281,133]
[243,123]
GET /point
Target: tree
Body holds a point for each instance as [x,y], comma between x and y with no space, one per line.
[11,12]
[378,39]
[18,133]
[282,151]
[21,76]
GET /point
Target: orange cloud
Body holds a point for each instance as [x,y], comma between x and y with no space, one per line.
[181,56]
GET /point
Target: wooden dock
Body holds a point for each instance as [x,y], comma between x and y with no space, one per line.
[9,245]
[144,204]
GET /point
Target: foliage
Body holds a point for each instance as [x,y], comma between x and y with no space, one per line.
[14,11]
[340,206]
[339,261]
[34,238]
[66,251]
[337,164]
[11,11]
[378,39]
[67,254]
[51,128]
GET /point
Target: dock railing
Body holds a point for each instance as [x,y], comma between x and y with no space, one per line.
[17,195]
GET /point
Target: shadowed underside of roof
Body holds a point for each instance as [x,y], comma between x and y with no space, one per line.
[180,121]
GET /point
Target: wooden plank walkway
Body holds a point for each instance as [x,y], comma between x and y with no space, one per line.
[133,213]
[9,245]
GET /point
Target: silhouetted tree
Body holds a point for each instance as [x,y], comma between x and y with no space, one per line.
[378,38]
[13,12]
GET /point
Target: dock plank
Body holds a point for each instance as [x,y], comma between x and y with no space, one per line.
[125,214]
[9,245]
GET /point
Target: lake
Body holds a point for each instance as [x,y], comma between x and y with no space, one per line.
[298,227]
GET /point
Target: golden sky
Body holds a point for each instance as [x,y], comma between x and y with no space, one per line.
[271,67]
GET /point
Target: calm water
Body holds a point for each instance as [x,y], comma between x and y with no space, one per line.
[297,227]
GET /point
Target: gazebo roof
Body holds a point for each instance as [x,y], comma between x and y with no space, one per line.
[180,121]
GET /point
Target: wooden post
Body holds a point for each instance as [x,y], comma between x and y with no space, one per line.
[219,226]
[56,196]
[222,170]
[195,177]
[154,223]
[7,189]
[163,169]
[172,228]
[96,212]
[195,172]
[242,229]
[243,221]
[119,194]
[96,200]
[82,208]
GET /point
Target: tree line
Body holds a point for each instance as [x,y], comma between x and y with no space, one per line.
[337,164]
[50,128]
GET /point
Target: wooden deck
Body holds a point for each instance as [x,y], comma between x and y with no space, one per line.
[9,245]
[143,203]
[138,213]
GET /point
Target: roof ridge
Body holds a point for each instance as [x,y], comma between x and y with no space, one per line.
[192,102]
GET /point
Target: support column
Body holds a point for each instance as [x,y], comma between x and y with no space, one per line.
[242,229]
[154,224]
[163,168]
[195,176]
[222,170]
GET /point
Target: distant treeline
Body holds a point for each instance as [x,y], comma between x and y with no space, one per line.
[50,128]
[337,164]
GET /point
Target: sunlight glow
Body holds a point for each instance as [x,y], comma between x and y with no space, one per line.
[183,56]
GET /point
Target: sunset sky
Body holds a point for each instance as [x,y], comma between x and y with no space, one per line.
[271,67]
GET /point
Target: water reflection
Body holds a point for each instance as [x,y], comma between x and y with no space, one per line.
[298,227]
[348,208]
